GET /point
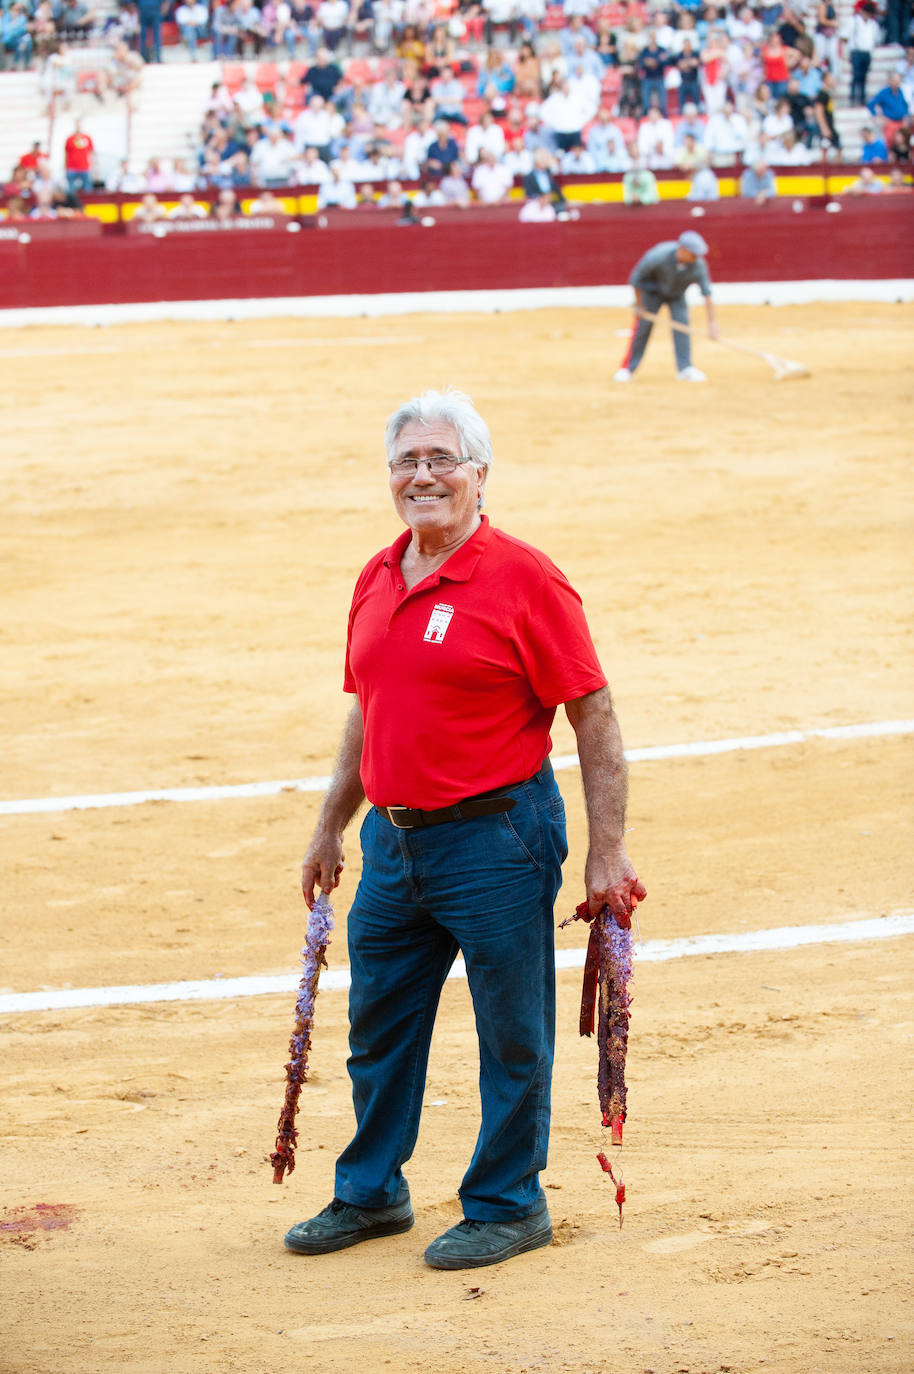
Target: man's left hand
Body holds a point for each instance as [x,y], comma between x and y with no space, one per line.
[713,331]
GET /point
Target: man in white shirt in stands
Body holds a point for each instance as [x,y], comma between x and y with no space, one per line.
[333,17]
[272,158]
[491,180]
[726,135]
[385,101]
[861,34]
[191,18]
[606,145]
[566,111]
[316,126]
[655,140]
[311,170]
[416,145]
[486,134]
[336,193]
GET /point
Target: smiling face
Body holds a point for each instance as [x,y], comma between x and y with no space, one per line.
[442,508]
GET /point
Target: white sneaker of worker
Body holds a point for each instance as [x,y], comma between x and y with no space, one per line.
[623,375]
[691,374]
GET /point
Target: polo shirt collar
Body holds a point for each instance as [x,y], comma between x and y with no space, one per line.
[461,564]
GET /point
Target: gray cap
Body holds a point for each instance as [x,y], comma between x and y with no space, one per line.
[693,242]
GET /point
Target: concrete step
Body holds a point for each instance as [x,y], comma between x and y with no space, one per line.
[169,110]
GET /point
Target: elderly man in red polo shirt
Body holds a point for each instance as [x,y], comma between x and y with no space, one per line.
[462,643]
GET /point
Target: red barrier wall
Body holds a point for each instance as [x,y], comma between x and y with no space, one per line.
[368,253]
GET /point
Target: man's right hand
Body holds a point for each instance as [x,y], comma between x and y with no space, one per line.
[322,867]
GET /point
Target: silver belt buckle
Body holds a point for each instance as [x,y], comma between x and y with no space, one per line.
[396,824]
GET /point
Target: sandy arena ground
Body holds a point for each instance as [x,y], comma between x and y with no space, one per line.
[186,508]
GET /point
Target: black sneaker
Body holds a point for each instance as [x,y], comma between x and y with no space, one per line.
[473,1244]
[342,1224]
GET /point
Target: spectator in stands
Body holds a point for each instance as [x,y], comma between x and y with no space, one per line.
[227,206]
[553,66]
[365,198]
[336,193]
[538,134]
[757,183]
[690,123]
[890,103]
[866,184]
[775,65]
[316,126]
[606,145]
[527,73]
[311,169]
[905,70]
[630,90]
[44,206]
[776,124]
[79,159]
[655,140]
[541,179]
[253,31]
[688,65]
[16,40]
[182,178]
[873,147]
[123,180]
[808,77]
[151,13]
[823,109]
[192,18]
[385,100]
[157,179]
[801,113]
[249,102]
[149,211]
[123,73]
[267,203]
[539,210]
[485,134]
[827,45]
[703,185]
[428,196]
[393,197]
[566,111]
[74,20]
[639,186]
[577,161]
[415,147]
[691,154]
[651,66]
[898,181]
[43,30]
[442,153]
[491,180]
[226,30]
[447,94]
[455,189]
[791,151]
[900,143]
[323,76]
[272,158]
[333,18]
[861,34]
[583,61]
[188,208]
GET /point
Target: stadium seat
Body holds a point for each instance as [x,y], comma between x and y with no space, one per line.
[554,17]
[266,76]
[360,71]
[232,76]
[473,106]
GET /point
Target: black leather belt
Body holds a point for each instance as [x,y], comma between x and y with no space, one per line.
[485,804]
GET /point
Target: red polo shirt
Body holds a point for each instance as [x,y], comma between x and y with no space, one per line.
[78,151]
[458,679]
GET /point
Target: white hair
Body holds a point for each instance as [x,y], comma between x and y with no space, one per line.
[449,407]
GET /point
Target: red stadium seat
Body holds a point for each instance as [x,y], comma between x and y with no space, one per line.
[473,106]
[360,71]
[232,75]
[266,77]
[554,17]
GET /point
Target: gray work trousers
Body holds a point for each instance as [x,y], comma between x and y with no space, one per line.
[682,344]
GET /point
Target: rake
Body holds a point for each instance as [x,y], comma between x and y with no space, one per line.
[785,369]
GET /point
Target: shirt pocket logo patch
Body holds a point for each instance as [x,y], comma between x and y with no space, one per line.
[438,622]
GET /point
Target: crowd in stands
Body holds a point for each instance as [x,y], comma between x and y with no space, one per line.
[464,96]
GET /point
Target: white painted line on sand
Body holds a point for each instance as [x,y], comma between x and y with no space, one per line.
[697,749]
[337,979]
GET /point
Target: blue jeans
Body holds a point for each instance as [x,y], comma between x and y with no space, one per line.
[487,888]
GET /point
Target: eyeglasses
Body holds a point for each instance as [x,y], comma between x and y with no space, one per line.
[439,465]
